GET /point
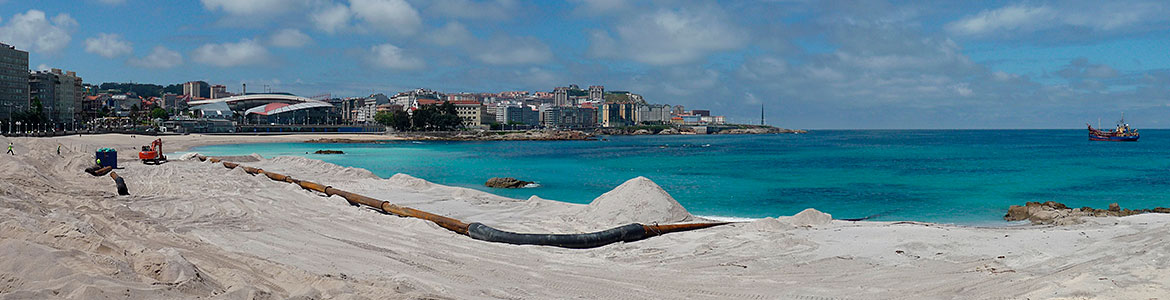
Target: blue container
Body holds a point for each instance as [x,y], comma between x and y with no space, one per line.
[107,156]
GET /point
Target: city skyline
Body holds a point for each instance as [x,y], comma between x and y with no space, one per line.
[872,64]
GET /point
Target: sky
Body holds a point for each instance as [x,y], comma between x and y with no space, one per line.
[808,64]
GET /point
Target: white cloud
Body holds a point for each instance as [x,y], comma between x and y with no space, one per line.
[391,57]
[512,51]
[1092,16]
[763,67]
[33,31]
[392,16]
[332,18]
[962,89]
[535,76]
[684,81]
[670,37]
[1004,76]
[600,6]
[159,58]
[1010,18]
[468,9]
[1101,71]
[254,7]
[451,34]
[750,98]
[245,52]
[290,38]
[108,45]
[1080,69]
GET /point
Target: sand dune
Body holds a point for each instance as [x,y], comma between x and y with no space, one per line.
[193,229]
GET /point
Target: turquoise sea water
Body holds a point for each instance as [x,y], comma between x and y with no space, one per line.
[949,176]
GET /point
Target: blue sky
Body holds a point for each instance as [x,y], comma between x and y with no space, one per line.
[812,64]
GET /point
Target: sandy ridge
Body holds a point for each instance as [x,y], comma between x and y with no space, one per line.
[192,229]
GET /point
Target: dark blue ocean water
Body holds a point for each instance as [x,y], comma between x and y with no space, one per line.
[950,176]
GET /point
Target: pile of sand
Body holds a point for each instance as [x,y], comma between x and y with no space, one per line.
[638,200]
[324,169]
[408,181]
[810,218]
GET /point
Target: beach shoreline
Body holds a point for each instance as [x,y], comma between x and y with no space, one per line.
[194,229]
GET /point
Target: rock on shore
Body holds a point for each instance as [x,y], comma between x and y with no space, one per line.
[1057,213]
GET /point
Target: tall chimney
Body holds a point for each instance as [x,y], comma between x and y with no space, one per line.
[245,91]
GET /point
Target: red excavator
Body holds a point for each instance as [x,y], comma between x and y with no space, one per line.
[153,153]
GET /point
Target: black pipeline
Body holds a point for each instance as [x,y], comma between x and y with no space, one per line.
[479,231]
[121,183]
[118,181]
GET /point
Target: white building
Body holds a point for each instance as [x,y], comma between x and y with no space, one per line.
[652,113]
[561,97]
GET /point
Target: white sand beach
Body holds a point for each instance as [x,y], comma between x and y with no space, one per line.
[194,229]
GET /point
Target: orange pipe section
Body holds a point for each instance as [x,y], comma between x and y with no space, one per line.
[451,224]
[103,171]
[309,185]
[652,230]
[253,171]
[344,195]
[275,176]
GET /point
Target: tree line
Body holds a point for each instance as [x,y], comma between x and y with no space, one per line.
[143,89]
[441,117]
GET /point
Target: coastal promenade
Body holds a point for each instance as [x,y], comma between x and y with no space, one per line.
[191,229]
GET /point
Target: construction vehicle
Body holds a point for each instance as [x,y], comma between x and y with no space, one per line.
[152,153]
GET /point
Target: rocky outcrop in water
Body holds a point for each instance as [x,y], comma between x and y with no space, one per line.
[530,135]
[760,130]
[1057,213]
[506,183]
[669,131]
[344,141]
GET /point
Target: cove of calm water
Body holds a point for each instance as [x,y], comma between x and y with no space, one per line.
[948,176]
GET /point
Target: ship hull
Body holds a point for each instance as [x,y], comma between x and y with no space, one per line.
[1113,138]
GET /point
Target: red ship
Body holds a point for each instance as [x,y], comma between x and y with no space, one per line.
[1122,134]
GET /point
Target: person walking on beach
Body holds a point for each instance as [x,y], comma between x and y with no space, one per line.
[10,149]
[58,149]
